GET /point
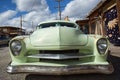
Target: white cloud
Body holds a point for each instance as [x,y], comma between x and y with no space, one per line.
[79,8]
[15,22]
[28,5]
[36,17]
[6,16]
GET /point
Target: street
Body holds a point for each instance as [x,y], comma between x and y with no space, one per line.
[5,59]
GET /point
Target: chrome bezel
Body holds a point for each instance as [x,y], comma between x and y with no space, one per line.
[100,42]
[15,52]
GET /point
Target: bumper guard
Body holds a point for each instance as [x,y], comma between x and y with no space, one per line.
[61,70]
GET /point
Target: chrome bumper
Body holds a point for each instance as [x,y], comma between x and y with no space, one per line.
[61,70]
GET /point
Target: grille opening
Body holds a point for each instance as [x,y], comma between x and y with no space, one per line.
[54,60]
[58,51]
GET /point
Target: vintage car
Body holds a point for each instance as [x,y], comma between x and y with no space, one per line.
[59,48]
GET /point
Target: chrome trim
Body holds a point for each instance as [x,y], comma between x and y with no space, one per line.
[61,70]
[58,56]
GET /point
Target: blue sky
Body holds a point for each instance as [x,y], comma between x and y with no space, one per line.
[52,4]
[41,10]
[4,5]
[9,4]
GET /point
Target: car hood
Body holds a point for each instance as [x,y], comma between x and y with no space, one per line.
[58,36]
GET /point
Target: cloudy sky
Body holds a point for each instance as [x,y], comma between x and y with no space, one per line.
[41,10]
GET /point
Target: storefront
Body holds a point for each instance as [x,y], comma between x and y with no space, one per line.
[104,20]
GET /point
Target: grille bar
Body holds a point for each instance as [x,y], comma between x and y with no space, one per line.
[57,56]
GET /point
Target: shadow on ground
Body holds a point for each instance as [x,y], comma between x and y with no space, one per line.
[71,77]
[116,64]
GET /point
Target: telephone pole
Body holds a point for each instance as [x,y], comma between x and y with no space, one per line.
[20,24]
[59,8]
[32,26]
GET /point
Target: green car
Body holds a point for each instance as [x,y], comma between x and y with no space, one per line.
[59,48]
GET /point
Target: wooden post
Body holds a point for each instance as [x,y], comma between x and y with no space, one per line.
[118,12]
[103,24]
[96,28]
[89,26]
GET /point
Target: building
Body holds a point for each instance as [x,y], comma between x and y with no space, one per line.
[104,19]
[11,31]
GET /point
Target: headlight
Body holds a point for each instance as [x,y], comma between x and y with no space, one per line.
[16,47]
[102,45]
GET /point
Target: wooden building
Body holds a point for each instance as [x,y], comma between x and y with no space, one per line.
[11,31]
[104,20]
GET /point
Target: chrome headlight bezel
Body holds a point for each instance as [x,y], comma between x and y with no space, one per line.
[102,45]
[16,47]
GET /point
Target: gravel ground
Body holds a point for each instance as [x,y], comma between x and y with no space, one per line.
[5,59]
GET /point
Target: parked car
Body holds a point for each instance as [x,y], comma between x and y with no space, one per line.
[4,40]
[59,48]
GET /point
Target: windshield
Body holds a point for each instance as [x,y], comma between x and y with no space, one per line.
[56,24]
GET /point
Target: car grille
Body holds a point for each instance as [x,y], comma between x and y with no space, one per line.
[59,55]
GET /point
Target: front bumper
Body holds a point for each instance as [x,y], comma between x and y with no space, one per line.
[61,70]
